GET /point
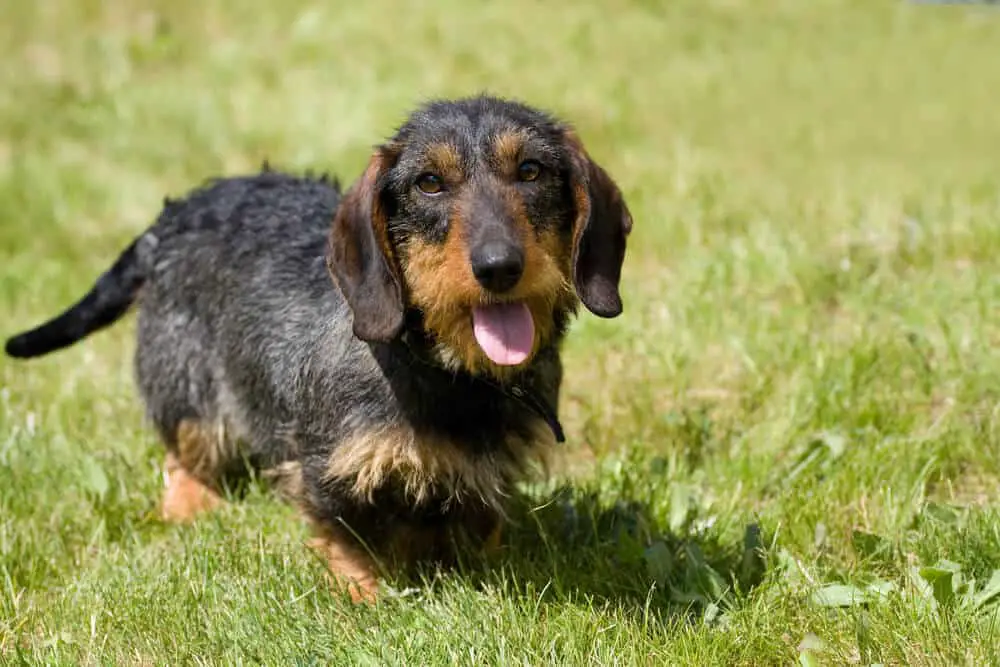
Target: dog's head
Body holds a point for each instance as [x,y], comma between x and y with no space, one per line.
[489,219]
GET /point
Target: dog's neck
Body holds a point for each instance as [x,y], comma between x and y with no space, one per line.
[519,387]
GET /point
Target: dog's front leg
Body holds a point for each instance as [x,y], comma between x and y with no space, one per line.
[350,566]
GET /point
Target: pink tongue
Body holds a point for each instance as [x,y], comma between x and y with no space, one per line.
[506,332]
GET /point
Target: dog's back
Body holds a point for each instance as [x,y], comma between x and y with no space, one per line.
[234,307]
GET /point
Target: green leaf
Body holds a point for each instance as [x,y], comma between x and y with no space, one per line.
[942,566]
[809,659]
[838,595]
[880,588]
[923,588]
[711,582]
[752,564]
[825,448]
[820,535]
[791,571]
[945,579]
[948,515]
[712,612]
[812,642]
[700,577]
[680,507]
[990,594]
[868,545]
[94,478]
[701,583]
[836,444]
[659,562]
[810,649]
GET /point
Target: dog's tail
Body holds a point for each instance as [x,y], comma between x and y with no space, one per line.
[109,299]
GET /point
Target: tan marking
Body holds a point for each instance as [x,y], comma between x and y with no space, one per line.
[360,203]
[286,478]
[590,176]
[350,566]
[378,165]
[446,161]
[185,496]
[204,450]
[507,147]
[440,283]
[581,195]
[429,466]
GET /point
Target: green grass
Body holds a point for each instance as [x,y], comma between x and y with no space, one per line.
[808,347]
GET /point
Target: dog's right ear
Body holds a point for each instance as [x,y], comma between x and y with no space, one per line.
[360,257]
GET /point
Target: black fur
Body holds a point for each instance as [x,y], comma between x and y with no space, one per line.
[110,298]
[240,326]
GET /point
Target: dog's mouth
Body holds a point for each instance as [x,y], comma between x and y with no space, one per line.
[505,332]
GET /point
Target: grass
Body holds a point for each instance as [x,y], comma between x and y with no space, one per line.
[786,451]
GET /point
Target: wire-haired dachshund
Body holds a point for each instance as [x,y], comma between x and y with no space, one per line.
[395,372]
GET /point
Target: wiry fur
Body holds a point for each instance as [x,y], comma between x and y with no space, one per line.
[442,287]
[426,466]
[340,360]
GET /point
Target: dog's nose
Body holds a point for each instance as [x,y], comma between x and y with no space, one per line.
[497,265]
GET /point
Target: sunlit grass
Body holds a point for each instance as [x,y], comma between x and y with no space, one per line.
[807,347]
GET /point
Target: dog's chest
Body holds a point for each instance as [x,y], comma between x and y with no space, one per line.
[426,466]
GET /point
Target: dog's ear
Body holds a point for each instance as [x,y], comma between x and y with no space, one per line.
[361,259]
[602,224]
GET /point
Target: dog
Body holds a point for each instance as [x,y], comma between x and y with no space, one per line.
[388,356]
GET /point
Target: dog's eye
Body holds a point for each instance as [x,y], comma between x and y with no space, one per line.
[430,184]
[528,171]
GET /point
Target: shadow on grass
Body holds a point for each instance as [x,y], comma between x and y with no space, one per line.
[575,544]
[572,545]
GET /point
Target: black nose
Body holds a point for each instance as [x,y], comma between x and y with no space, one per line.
[497,265]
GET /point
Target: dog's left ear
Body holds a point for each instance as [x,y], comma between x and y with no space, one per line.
[361,259]
[602,224]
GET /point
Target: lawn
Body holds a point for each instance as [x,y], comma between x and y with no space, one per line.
[786,451]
